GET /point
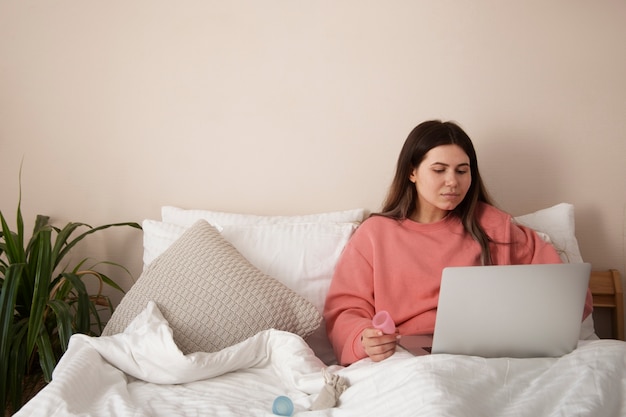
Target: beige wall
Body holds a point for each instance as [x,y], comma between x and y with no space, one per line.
[285,107]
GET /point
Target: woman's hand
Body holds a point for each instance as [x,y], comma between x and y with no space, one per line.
[377,345]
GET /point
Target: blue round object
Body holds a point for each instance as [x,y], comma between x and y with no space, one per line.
[282,406]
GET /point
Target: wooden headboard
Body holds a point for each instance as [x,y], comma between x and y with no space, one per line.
[606,288]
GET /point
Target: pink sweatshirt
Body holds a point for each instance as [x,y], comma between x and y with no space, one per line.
[396,266]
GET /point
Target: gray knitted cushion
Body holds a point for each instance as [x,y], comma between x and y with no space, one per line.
[212,296]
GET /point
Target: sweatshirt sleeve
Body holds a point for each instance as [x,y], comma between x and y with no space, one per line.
[349,306]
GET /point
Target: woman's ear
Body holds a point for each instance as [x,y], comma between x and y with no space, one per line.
[413,176]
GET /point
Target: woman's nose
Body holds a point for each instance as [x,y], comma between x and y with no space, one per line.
[451,179]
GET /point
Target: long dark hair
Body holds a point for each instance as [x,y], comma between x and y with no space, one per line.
[401,199]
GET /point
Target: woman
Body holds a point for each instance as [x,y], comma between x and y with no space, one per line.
[437,214]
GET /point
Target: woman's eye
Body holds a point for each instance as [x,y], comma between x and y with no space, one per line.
[462,172]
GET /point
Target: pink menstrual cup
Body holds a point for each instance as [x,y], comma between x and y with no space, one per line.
[382,321]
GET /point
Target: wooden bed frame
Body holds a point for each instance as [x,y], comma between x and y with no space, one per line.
[606,288]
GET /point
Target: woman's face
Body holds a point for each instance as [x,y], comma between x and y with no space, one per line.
[442,180]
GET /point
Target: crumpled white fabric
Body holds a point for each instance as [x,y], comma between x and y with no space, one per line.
[147,351]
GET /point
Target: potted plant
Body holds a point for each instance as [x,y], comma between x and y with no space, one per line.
[42,301]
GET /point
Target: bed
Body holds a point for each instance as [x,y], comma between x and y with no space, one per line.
[225,319]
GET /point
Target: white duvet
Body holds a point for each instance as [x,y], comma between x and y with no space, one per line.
[142,373]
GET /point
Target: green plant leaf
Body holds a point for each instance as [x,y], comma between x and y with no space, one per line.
[13,250]
[47,358]
[7,306]
[43,272]
[80,237]
[18,363]
[105,279]
[111,283]
[61,242]
[18,216]
[81,318]
[63,316]
[41,223]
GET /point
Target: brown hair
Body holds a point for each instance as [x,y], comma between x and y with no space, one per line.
[401,199]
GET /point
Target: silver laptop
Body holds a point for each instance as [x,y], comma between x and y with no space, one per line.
[514,311]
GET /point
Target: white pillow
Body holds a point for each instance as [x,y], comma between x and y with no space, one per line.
[187,217]
[558,223]
[302,256]
[157,237]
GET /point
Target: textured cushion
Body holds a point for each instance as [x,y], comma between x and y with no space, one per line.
[212,296]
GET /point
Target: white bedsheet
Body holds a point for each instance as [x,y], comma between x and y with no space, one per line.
[142,373]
